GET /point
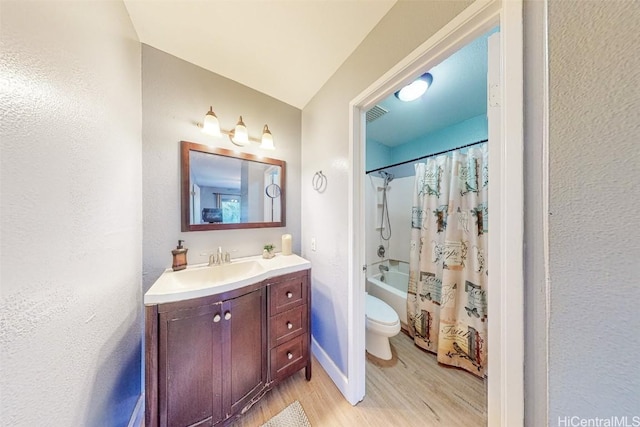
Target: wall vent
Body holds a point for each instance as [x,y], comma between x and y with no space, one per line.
[375,113]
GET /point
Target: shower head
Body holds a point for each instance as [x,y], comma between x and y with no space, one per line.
[388,177]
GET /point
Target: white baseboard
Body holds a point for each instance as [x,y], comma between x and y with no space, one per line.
[340,380]
[137,416]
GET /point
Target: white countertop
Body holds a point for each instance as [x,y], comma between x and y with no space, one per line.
[196,281]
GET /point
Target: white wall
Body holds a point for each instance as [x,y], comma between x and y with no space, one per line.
[399,202]
[372,200]
[325,135]
[594,203]
[71,307]
[175,96]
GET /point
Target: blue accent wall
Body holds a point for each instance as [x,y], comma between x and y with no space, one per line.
[377,155]
[466,132]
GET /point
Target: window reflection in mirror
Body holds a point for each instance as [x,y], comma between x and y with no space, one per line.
[222,189]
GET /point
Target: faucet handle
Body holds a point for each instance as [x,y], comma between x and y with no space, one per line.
[227,257]
[216,259]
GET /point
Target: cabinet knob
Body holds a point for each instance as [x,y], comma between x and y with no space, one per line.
[289,325]
[227,315]
[289,294]
[289,355]
[216,318]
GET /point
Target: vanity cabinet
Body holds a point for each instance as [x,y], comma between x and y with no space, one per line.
[208,359]
[289,332]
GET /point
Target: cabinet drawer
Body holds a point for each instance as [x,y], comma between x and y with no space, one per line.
[288,294]
[289,357]
[287,325]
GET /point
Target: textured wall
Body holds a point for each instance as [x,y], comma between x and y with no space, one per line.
[176,95]
[325,135]
[593,229]
[71,309]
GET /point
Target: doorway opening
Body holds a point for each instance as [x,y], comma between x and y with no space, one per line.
[506,334]
[415,151]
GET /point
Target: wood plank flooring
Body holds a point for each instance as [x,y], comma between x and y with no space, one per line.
[416,391]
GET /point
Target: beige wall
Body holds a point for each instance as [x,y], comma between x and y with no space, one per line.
[175,96]
[594,172]
[70,306]
[325,136]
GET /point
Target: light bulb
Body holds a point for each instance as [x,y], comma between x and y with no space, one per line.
[240,134]
[210,124]
[415,89]
[267,139]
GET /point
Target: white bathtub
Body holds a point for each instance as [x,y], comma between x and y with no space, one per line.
[392,290]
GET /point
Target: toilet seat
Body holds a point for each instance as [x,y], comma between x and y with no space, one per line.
[380,312]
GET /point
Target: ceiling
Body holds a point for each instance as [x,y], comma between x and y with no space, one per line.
[458,92]
[287,49]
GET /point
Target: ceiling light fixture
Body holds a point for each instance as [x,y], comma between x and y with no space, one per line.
[239,135]
[415,89]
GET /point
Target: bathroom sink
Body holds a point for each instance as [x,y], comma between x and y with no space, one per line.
[216,275]
[202,280]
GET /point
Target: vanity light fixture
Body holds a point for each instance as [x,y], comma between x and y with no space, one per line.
[267,139]
[210,124]
[239,135]
[415,89]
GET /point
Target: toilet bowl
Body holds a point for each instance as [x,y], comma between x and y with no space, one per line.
[382,323]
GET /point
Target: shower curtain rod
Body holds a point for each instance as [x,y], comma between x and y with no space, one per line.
[427,156]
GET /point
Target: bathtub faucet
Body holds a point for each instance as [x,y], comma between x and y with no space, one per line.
[382,268]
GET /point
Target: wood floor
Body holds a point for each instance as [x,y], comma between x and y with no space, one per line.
[416,391]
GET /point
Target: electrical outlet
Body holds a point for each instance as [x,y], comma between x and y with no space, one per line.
[313,244]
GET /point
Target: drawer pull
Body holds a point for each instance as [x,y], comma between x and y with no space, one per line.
[289,294]
[289,355]
[227,315]
[217,318]
[289,325]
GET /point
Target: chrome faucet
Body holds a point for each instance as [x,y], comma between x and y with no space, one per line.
[213,260]
[382,268]
[219,258]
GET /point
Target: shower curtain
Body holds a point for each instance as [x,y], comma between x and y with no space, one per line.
[447,297]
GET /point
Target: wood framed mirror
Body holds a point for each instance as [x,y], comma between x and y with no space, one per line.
[222,189]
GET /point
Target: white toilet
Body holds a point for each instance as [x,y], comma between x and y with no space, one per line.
[381,324]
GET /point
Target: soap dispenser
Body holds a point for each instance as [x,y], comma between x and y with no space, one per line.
[179,257]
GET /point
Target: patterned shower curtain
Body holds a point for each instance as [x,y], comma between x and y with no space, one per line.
[447,298]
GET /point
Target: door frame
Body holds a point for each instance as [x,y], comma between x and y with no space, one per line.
[505,381]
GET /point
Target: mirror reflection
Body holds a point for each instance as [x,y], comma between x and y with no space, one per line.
[223,189]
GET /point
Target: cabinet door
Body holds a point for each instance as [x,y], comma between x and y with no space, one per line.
[248,347]
[190,388]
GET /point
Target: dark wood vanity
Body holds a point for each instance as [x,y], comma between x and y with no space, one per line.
[209,359]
